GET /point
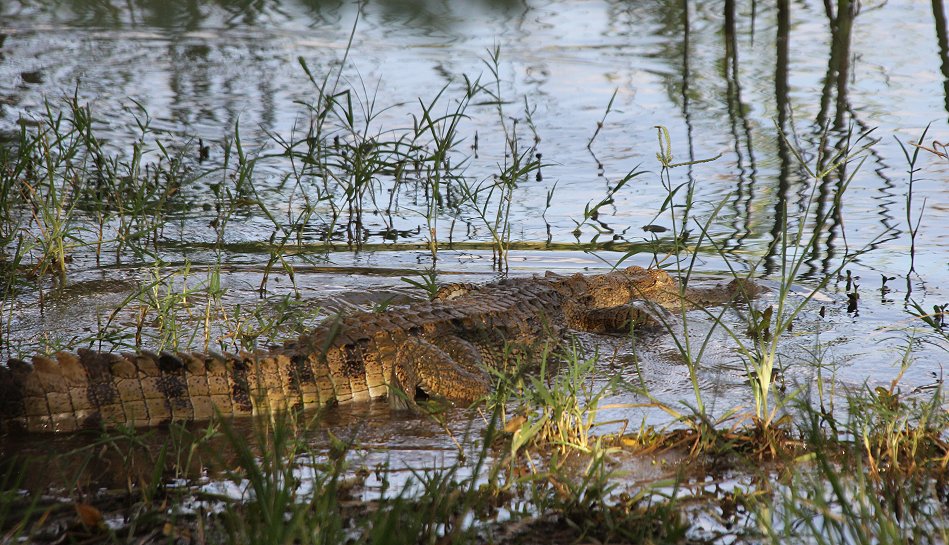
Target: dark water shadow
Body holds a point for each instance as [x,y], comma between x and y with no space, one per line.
[942,36]
[740,127]
[772,262]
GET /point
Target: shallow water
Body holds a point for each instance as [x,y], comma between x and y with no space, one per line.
[717,76]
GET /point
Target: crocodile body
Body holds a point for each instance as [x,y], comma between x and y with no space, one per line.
[440,347]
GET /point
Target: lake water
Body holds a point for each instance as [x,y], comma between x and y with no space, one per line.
[725,79]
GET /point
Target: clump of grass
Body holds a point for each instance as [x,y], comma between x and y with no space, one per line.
[759,344]
[292,494]
[172,313]
[269,510]
[553,409]
[796,247]
[491,199]
[350,158]
[877,477]
[554,414]
[427,282]
[79,195]
[16,512]
[47,187]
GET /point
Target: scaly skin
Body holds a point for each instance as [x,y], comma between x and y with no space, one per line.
[442,348]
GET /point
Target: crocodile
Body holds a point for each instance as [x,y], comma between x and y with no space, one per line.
[441,347]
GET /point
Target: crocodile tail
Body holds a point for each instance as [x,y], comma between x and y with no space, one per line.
[89,389]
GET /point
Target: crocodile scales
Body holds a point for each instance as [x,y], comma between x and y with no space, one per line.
[440,347]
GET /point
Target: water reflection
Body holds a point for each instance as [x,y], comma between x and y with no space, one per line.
[772,262]
[939,17]
[191,15]
[834,105]
[743,146]
[686,76]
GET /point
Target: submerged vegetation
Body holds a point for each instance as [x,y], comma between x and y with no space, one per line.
[555,453]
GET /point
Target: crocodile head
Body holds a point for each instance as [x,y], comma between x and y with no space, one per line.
[623,286]
[618,287]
